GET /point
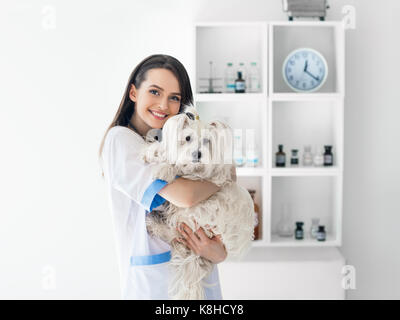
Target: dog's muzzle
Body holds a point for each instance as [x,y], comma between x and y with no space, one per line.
[196,156]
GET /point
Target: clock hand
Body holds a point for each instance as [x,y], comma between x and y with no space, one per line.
[311,75]
[305,66]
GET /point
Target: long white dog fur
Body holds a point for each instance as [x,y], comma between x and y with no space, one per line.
[229,212]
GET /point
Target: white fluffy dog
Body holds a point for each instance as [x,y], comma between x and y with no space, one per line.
[198,151]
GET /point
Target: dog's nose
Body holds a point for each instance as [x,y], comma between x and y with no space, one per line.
[196,155]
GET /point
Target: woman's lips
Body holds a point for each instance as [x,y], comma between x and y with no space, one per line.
[157,117]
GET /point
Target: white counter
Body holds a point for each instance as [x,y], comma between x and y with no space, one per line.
[284,273]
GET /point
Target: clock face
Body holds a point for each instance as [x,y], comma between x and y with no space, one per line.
[305,70]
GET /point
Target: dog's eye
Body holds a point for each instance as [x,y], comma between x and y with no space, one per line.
[187,138]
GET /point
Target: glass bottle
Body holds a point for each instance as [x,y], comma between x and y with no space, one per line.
[314,227]
[243,70]
[280,157]
[299,233]
[285,223]
[328,156]
[251,149]
[238,147]
[254,78]
[294,160]
[318,159]
[307,156]
[240,84]
[257,212]
[229,78]
[321,235]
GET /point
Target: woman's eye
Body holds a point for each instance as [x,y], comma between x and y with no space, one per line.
[176,98]
[153,91]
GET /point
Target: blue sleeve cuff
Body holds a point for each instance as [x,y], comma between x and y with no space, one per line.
[151,199]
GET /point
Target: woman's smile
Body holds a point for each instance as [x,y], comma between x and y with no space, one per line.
[158,115]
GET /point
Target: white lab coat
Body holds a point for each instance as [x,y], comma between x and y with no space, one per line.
[132,193]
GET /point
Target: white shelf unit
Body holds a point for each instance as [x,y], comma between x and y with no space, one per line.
[281,116]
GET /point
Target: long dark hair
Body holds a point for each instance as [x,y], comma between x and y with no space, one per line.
[138,75]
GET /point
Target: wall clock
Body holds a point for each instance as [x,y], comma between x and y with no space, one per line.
[305,70]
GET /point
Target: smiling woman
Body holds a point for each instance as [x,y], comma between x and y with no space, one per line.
[155,104]
[157,89]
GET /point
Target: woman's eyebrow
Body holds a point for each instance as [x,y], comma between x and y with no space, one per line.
[154,85]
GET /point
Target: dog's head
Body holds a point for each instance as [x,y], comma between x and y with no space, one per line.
[187,141]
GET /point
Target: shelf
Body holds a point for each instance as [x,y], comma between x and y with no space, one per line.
[223,42]
[236,97]
[307,23]
[277,241]
[279,115]
[259,243]
[325,37]
[305,171]
[250,172]
[306,97]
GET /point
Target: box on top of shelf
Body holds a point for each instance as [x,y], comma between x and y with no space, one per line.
[223,43]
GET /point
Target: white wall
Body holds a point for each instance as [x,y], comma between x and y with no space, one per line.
[61,87]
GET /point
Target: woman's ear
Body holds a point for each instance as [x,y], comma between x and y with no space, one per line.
[132,93]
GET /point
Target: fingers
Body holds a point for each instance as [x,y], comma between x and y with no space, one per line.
[190,239]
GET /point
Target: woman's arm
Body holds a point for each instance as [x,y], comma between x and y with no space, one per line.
[186,193]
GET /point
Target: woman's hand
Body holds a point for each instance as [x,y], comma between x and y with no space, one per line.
[210,248]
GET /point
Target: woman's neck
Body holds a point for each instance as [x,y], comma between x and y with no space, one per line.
[139,125]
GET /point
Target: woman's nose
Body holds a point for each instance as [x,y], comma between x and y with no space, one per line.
[164,105]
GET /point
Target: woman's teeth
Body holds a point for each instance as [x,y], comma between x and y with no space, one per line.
[158,115]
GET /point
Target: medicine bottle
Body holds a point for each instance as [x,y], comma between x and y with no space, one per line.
[240,84]
[299,233]
[294,160]
[280,157]
[328,156]
[321,234]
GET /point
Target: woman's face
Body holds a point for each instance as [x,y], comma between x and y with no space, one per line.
[157,99]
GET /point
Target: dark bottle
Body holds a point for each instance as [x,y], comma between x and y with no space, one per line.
[294,160]
[240,84]
[280,157]
[328,156]
[299,233]
[321,234]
